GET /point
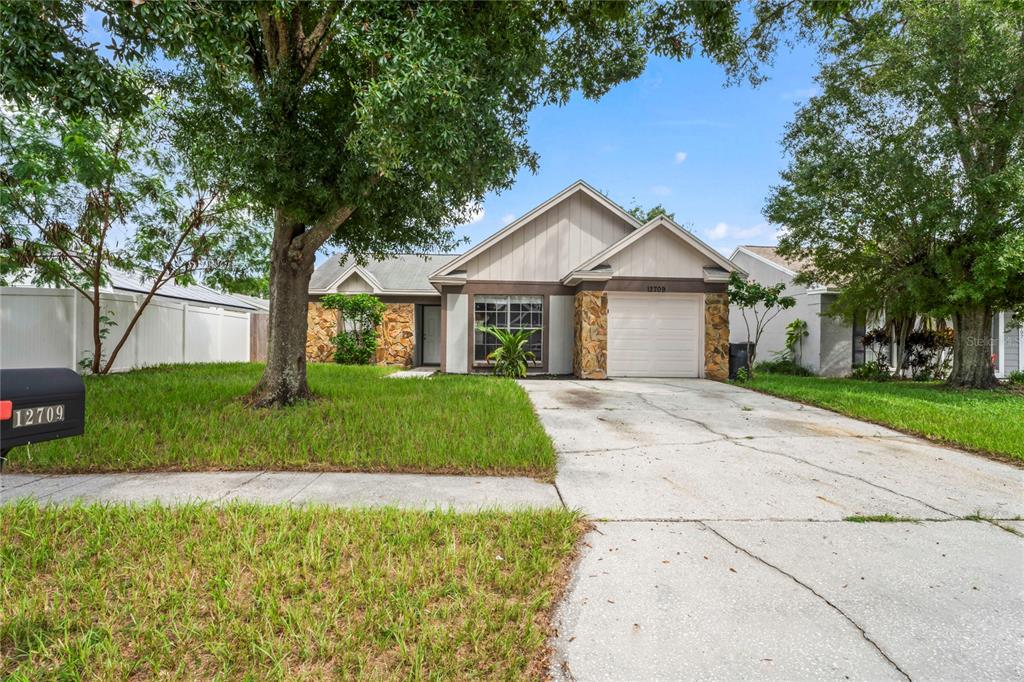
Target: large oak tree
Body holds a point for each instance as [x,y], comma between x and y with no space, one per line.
[373,125]
[906,186]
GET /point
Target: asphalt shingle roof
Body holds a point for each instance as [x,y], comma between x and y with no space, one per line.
[402,272]
[127,281]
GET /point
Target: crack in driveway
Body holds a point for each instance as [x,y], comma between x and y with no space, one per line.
[743,443]
[823,598]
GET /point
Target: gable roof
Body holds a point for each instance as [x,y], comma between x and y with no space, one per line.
[771,256]
[405,272]
[674,228]
[578,186]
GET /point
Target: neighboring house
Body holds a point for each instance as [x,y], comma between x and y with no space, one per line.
[611,296]
[833,347]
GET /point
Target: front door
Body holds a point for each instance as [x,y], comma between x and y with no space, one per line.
[430,335]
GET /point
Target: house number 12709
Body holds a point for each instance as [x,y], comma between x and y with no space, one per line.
[655,288]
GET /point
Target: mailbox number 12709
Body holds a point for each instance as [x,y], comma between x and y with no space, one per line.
[36,416]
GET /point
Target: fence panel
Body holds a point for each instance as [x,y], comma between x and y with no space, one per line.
[53,328]
[259,336]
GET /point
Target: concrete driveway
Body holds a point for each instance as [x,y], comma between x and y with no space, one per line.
[720,549]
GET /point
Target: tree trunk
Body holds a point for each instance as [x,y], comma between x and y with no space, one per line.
[291,265]
[972,349]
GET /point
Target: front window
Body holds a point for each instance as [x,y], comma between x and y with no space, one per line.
[506,312]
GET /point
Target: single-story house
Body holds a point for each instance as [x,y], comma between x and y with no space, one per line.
[833,347]
[611,297]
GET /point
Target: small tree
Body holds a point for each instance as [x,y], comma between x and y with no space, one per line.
[361,314]
[764,303]
[796,332]
[83,196]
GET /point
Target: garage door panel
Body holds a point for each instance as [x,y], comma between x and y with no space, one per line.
[654,335]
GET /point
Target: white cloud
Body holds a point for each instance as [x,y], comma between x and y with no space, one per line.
[680,157]
[508,218]
[661,190]
[719,231]
[724,230]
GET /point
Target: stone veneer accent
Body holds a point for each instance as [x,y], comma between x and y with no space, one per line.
[396,335]
[716,336]
[321,327]
[590,335]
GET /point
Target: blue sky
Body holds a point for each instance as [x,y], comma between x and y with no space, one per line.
[675,136]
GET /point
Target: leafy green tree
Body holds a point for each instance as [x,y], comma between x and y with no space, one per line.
[81,197]
[646,215]
[906,186]
[764,303]
[361,314]
[376,126]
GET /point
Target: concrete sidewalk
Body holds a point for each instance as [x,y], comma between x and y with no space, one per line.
[408,491]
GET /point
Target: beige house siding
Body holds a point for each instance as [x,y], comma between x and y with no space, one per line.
[354,284]
[550,245]
[660,254]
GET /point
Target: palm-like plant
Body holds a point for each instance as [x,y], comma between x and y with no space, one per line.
[512,356]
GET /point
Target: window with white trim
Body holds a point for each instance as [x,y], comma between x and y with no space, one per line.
[507,312]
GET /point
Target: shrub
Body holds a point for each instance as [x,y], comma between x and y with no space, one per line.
[783,366]
[512,356]
[742,375]
[878,341]
[875,370]
[361,314]
[1016,377]
[928,353]
[796,332]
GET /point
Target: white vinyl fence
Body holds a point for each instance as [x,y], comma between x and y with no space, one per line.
[53,328]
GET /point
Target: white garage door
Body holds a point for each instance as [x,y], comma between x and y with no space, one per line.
[654,335]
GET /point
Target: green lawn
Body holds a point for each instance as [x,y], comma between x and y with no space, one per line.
[190,417]
[197,592]
[985,421]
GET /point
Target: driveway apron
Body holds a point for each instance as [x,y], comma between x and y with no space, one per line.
[721,549]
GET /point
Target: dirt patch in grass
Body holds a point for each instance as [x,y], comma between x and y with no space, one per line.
[196,592]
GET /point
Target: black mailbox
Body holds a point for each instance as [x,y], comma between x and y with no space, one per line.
[40,404]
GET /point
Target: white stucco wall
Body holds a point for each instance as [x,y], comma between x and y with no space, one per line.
[836,353]
[456,339]
[774,338]
[560,335]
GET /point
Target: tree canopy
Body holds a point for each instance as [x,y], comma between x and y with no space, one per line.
[906,185]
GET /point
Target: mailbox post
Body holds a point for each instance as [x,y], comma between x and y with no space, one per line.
[37,405]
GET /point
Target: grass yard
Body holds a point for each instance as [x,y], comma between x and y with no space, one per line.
[190,418]
[985,421]
[198,592]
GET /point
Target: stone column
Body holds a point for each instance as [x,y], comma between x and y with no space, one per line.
[321,327]
[716,336]
[396,335]
[590,335]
